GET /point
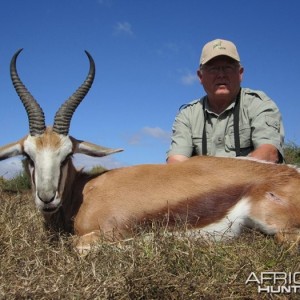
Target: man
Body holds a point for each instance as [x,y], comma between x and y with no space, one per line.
[230,120]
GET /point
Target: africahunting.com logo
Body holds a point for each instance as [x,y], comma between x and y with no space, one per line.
[275,282]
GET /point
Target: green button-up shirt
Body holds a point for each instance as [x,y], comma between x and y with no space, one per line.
[260,123]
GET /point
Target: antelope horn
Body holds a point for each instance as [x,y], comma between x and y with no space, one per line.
[34,111]
[64,115]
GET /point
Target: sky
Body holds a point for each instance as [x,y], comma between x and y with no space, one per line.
[146,54]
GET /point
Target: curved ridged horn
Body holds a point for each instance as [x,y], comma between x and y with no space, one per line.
[34,112]
[64,115]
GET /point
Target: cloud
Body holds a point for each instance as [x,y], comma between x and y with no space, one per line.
[189,78]
[123,28]
[167,49]
[11,167]
[156,133]
[152,132]
[88,162]
[135,139]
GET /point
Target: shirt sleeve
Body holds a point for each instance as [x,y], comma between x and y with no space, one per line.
[266,122]
[181,140]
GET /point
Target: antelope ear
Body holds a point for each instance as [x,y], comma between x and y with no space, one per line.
[92,149]
[11,150]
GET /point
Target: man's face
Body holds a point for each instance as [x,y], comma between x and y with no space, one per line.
[221,78]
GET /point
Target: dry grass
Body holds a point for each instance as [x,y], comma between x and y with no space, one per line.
[162,267]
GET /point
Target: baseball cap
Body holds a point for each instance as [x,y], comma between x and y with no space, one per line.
[216,48]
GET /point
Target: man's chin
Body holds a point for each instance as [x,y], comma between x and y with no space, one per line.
[222,92]
[222,88]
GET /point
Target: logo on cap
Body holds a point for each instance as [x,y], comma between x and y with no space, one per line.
[219,45]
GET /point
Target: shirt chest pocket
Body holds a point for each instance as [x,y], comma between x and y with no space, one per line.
[244,135]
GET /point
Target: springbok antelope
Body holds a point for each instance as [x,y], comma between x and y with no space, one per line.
[215,196]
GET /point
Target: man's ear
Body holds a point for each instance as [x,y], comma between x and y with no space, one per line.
[241,73]
[199,74]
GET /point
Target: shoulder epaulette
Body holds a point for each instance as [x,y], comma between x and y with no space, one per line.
[183,106]
[260,94]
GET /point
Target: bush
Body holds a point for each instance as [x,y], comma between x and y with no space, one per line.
[292,154]
[97,170]
[19,183]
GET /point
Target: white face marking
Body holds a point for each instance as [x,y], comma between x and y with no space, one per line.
[46,170]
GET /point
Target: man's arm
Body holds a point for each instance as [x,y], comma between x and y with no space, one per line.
[266,152]
[267,128]
[181,147]
[176,158]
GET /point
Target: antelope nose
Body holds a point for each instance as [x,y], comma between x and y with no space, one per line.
[46,197]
